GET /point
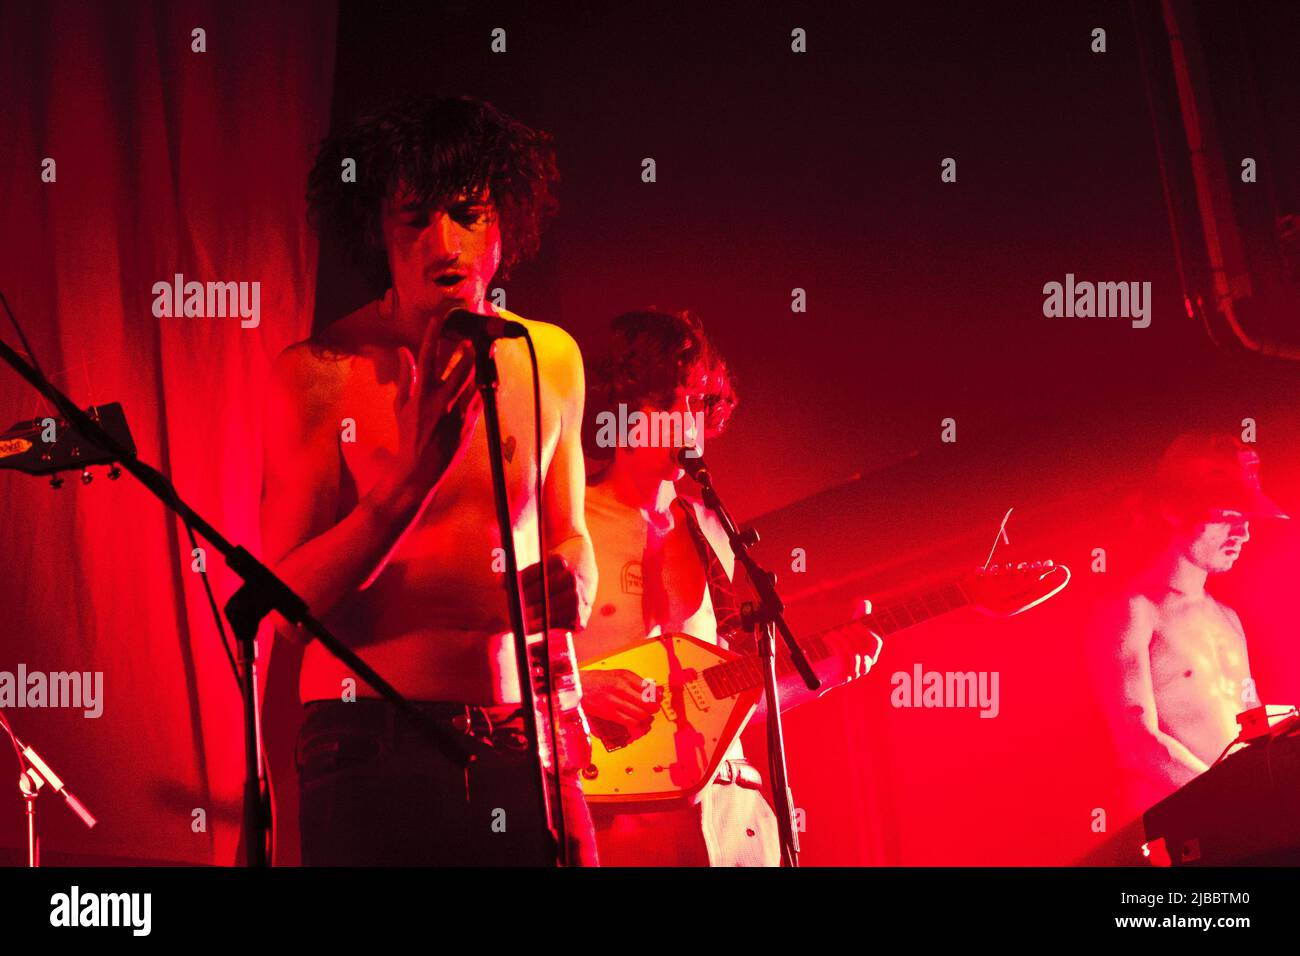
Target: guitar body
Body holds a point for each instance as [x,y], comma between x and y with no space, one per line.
[689,735]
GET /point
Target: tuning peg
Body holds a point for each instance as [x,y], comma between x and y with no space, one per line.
[114,473]
[1049,563]
[56,482]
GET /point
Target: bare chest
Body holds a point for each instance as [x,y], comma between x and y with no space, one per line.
[650,578]
[369,437]
[1197,651]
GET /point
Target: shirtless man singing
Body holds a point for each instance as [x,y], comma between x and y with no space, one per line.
[1174,667]
[378,505]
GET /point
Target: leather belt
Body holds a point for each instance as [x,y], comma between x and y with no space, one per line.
[740,772]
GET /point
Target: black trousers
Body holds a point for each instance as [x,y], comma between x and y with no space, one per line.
[376,792]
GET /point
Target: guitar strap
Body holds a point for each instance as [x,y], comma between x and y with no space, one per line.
[722,592]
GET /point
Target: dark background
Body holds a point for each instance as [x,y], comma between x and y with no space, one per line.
[821,171]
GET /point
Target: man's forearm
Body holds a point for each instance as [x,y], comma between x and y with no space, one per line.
[581,557]
[831,671]
[327,568]
[1169,757]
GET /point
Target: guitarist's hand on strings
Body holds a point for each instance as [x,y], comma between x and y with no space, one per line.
[620,697]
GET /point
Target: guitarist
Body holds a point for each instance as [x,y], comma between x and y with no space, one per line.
[665,566]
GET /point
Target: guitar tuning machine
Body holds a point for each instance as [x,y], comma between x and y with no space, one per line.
[86,476]
[56,482]
[114,473]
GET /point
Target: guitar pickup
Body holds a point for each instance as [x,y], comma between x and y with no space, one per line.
[696,690]
[687,683]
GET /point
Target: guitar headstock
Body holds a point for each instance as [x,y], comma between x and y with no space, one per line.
[1005,590]
[23,447]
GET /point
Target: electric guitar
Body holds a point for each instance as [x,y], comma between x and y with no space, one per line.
[707,695]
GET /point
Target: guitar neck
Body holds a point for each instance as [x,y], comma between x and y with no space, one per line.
[745,673]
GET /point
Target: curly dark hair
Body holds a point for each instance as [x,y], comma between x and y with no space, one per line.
[439,147]
[647,359]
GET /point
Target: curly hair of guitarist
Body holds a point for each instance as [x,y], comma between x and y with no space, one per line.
[649,359]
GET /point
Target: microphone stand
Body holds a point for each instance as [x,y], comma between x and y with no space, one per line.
[261,593]
[488,381]
[765,619]
[36,773]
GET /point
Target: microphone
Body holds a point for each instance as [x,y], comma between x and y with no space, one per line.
[692,460]
[464,324]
